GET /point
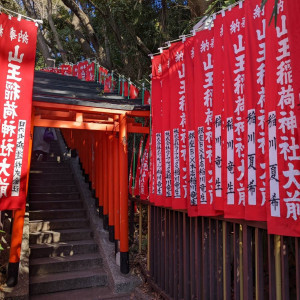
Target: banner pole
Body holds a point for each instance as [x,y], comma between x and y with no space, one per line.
[128,88]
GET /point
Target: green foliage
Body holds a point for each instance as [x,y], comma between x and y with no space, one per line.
[1,232]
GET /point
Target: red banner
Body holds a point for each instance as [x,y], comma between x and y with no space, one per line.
[90,72]
[144,178]
[203,73]
[17,46]
[82,69]
[219,131]
[156,179]
[282,146]
[192,166]
[147,97]
[134,92]
[138,169]
[255,173]
[75,70]
[177,81]
[125,88]
[164,130]
[234,77]
[66,69]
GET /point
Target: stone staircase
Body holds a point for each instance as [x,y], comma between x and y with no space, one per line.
[63,254]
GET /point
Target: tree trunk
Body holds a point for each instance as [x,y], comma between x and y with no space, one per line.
[198,7]
[107,49]
[55,33]
[41,42]
[84,19]
[85,46]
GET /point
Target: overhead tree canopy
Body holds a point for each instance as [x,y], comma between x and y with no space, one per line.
[119,34]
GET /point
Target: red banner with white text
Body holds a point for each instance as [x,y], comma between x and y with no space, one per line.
[17,47]
[282,146]
[255,173]
[234,76]
[177,83]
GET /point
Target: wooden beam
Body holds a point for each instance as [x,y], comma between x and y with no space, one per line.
[72,125]
[133,128]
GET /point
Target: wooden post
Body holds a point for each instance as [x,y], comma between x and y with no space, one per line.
[123,155]
[110,172]
[15,247]
[105,183]
[149,238]
[140,227]
[101,177]
[116,186]
[277,266]
[18,224]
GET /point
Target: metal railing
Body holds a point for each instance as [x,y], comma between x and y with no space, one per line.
[214,258]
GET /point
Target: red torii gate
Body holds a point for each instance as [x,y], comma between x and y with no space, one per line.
[102,123]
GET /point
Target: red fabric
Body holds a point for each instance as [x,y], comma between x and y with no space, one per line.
[138,169]
[75,70]
[219,131]
[90,72]
[17,41]
[156,190]
[82,69]
[126,89]
[147,97]
[130,185]
[282,139]
[134,92]
[102,73]
[234,72]
[177,82]
[192,165]
[108,85]
[255,112]
[165,129]
[144,178]
[66,69]
[204,70]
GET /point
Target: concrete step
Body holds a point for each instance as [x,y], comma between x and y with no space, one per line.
[63,235]
[43,225]
[44,176]
[63,249]
[62,204]
[58,264]
[54,188]
[51,283]
[54,196]
[50,182]
[93,293]
[46,164]
[51,170]
[57,214]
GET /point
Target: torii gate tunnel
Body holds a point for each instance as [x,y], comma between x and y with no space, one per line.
[97,127]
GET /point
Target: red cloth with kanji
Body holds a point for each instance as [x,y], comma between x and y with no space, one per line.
[134,92]
[17,59]
[254,85]
[234,76]
[282,138]
[177,83]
